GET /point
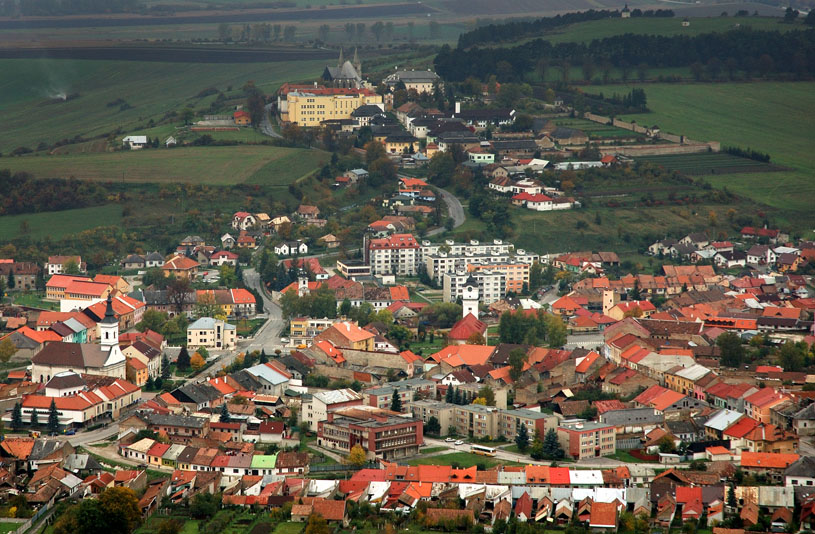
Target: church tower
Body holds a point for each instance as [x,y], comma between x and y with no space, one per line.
[109,336]
[469,299]
[356,63]
[302,284]
[341,61]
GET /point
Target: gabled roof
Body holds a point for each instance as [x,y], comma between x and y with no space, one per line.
[767,460]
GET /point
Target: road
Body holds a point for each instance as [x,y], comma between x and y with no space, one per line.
[598,463]
[266,126]
[269,333]
[454,209]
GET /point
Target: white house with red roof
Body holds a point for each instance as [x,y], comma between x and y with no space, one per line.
[243,220]
[536,202]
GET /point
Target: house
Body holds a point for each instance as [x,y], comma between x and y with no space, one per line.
[134,142]
[291,248]
[772,465]
[57,264]
[242,118]
[330,241]
[134,261]
[243,221]
[180,267]
[307,212]
[211,334]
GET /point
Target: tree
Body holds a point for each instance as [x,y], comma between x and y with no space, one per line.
[197,361]
[345,307]
[35,418]
[810,18]
[317,525]
[731,497]
[17,417]
[120,509]
[731,349]
[517,359]
[323,31]
[792,356]
[165,367]
[552,449]
[170,526]
[555,330]
[183,361]
[10,280]
[667,445]
[476,338]
[206,306]
[433,426]
[449,397]
[396,401]
[7,350]
[224,418]
[70,267]
[204,505]
[487,394]
[357,456]
[53,417]
[152,320]
[522,439]
[178,293]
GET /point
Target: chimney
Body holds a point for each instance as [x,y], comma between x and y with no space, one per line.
[458,108]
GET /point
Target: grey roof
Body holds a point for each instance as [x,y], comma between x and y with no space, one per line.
[199,393]
[43,448]
[682,426]
[529,414]
[345,72]
[79,462]
[802,467]
[632,416]
[806,413]
[208,323]
[188,421]
[723,419]
[415,76]
[247,380]
[268,374]
[74,325]
[133,258]
[154,256]
[65,380]
[78,355]
[367,110]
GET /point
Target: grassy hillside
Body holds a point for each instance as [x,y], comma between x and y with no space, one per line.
[31,114]
[263,165]
[55,224]
[777,118]
[599,29]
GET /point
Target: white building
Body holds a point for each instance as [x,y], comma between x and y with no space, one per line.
[396,254]
[491,286]
[211,334]
[291,248]
[135,142]
[316,409]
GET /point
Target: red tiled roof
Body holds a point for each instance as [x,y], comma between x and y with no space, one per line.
[466,327]
[767,460]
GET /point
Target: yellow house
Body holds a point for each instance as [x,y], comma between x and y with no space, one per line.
[136,372]
[401,143]
[313,106]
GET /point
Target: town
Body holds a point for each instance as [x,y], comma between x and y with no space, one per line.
[419,292]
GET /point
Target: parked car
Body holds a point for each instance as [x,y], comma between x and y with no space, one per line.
[459,442]
[450,440]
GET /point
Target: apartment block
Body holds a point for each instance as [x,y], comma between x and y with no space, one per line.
[587,439]
[442,411]
[509,421]
[492,285]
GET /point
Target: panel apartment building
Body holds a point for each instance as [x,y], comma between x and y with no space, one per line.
[492,285]
[396,254]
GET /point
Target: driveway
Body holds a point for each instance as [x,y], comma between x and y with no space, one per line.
[266,127]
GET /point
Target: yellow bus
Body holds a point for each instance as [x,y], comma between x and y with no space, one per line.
[484,451]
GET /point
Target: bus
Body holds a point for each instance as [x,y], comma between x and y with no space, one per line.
[484,451]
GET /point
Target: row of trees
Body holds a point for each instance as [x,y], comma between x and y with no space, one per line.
[22,193]
[52,425]
[751,51]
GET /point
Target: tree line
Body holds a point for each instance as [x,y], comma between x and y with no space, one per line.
[514,30]
[25,194]
[744,49]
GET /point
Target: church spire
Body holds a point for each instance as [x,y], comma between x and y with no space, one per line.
[357,65]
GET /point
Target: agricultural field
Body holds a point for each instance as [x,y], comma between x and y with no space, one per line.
[709,163]
[32,109]
[772,117]
[56,224]
[212,165]
[599,29]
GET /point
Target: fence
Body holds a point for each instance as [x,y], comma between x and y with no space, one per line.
[628,444]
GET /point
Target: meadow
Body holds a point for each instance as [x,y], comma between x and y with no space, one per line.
[772,117]
[31,112]
[212,165]
[56,224]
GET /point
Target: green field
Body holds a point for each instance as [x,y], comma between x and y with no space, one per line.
[8,527]
[289,528]
[708,163]
[772,117]
[30,114]
[56,224]
[214,165]
[599,29]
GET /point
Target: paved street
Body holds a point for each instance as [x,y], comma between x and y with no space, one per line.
[266,125]
[454,209]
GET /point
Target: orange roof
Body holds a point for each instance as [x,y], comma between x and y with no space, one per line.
[87,288]
[767,460]
[331,351]
[409,356]
[586,363]
[537,474]
[399,293]
[179,263]
[127,475]
[39,337]
[242,296]
[458,355]
[718,449]
[110,279]
[603,514]
[351,331]
[19,448]
[741,428]
[559,476]
[64,280]
[466,327]
[502,373]
[136,364]
[665,400]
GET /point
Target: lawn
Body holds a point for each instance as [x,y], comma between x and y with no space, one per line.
[30,113]
[289,528]
[428,450]
[213,165]
[462,459]
[56,224]
[624,456]
[8,527]
[248,327]
[34,300]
